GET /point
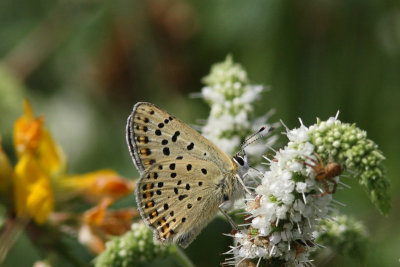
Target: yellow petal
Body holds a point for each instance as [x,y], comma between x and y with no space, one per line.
[98,185]
[50,155]
[95,215]
[40,200]
[109,222]
[32,188]
[27,131]
[100,223]
[30,136]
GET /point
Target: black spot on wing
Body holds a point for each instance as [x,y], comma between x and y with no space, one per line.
[166,151]
[190,146]
[181,197]
[175,136]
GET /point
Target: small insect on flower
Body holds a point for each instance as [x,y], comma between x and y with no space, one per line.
[324,173]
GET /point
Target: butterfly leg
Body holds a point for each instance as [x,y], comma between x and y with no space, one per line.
[244,186]
[233,224]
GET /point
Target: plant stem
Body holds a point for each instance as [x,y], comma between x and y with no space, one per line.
[181,257]
[11,232]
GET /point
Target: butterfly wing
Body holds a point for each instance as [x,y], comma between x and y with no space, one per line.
[177,198]
[184,176]
[154,135]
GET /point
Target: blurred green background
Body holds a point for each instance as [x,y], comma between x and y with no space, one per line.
[85,63]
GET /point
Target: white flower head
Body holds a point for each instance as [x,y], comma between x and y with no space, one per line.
[290,201]
[231,98]
[295,193]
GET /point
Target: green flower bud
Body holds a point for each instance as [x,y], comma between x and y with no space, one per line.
[354,151]
[135,247]
[344,235]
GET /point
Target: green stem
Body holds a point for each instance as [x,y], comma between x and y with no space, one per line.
[181,257]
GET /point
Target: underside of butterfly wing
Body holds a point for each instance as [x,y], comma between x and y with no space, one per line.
[178,198]
[153,135]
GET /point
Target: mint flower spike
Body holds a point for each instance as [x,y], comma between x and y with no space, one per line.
[344,235]
[295,194]
[349,145]
[136,247]
[231,98]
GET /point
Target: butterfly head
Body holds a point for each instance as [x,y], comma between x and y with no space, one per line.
[242,162]
[241,158]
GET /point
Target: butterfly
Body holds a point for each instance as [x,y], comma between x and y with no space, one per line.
[185,178]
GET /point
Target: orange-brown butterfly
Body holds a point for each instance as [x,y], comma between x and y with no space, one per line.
[185,179]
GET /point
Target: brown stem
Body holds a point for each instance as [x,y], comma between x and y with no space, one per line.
[10,234]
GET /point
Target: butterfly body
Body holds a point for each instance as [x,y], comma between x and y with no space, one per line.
[184,177]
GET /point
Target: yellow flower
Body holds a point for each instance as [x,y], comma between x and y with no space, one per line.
[39,160]
[41,171]
[99,224]
[97,185]
[31,137]
[32,189]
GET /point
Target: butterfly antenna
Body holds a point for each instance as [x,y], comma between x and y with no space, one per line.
[255,136]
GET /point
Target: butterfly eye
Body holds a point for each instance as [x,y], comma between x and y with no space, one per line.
[239,160]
